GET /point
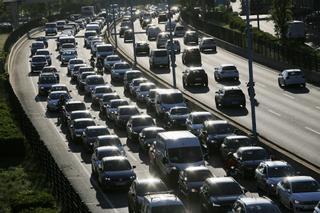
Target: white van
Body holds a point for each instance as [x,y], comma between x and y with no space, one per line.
[88,34]
[168,98]
[174,151]
[94,27]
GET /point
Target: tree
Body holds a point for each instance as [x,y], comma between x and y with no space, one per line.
[281,13]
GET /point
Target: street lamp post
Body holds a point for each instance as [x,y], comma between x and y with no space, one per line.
[114,27]
[172,52]
[134,39]
[250,84]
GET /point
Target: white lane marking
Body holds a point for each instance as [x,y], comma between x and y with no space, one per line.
[312,130]
[318,107]
[78,158]
[275,113]
[289,96]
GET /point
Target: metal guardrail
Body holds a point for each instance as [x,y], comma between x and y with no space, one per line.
[270,145]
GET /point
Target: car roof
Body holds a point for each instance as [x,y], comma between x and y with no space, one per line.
[229,88]
[115,158]
[134,71]
[248,148]
[276,163]
[198,113]
[103,86]
[255,200]
[146,84]
[39,56]
[235,137]
[101,137]
[299,178]
[94,76]
[127,107]
[179,138]
[83,119]
[110,94]
[195,68]
[227,65]
[74,102]
[168,91]
[196,168]
[152,128]
[121,62]
[149,180]
[163,199]
[80,112]
[111,56]
[137,117]
[59,85]
[46,74]
[215,122]
[217,180]
[106,148]
[292,70]
[59,92]
[96,127]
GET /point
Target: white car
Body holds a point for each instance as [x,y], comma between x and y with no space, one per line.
[118,70]
[298,193]
[104,50]
[291,77]
[72,63]
[53,100]
[195,120]
[92,81]
[226,71]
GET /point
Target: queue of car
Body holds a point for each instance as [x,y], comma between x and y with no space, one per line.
[177,150]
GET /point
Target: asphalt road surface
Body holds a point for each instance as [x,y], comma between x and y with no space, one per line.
[288,117]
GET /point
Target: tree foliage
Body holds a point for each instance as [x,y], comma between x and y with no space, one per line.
[281,13]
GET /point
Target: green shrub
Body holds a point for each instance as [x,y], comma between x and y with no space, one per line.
[32,199]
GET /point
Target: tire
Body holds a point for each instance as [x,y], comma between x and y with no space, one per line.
[217,104]
[215,77]
[184,84]
[280,85]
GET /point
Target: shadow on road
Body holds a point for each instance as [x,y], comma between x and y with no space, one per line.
[197,89]
[235,112]
[297,90]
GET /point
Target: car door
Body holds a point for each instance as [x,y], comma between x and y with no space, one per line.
[282,191]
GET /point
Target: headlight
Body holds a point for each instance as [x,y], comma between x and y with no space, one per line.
[296,202]
[212,141]
[133,177]
[41,87]
[194,190]
[215,205]
[107,179]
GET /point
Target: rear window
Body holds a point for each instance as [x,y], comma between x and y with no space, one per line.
[75,106]
[97,132]
[39,59]
[88,34]
[38,45]
[47,80]
[143,122]
[116,165]
[110,97]
[198,176]
[179,28]
[115,104]
[103,89]
[227,68]
[172,98]
[55,96]
[122,66]
[128,111]
[113,58]
[77,61]
[43,52]
[234,93]
[254,155]
[105,48]
[199,119]
[51,25]
[83,124]
[96,80]
[297,73]
[161,53]
[110,142]
[225,189]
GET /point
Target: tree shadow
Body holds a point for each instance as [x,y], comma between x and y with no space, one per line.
[197,89]
[163,70]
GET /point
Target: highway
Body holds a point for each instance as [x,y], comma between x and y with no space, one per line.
[288,117]
[71,158]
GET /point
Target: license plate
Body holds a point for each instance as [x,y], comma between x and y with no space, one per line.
[120,183]
[198,79]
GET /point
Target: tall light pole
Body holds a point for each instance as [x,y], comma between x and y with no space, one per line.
[250,84]
[114,26]
[134,37]
[172,52]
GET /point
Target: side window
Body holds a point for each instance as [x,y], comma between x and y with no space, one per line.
[286,185]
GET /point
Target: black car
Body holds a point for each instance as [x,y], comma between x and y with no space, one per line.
[191,56]
[116,173]
[142,187]
[218,194]
[124,113]
[213,133]
[38,62]
[128,36]
[122,30]
[248,158]
[90,134]
[232,143]
[176,117]
[195,76]
[105,100]
[35,46]
[147,136]
[191,179]
[230,96]
[142,48]
[136,124]
[68,108]
[109,140]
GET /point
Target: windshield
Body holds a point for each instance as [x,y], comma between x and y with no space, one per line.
[254,155]
[67,46]
[107,98]
[76,61]
[219,129]
[47,80]
[236,143]
[229,68]
[96,132]
[128,111]
[185,154]
[147,87]
[115,104]
[179,111]
[138,82]
[84,75]
[94,81]
[282,171]
[75,106]
[88,34]
[208,41]
[103,89]
[38,45]
[198,176]
[105,49]
[172,98]
[305,186]
[113,59]
[80,115]
[168,208]
[199,119]
[110,142]
[163,53]
[122,66]
[51,25]
[39,59]
[262,208]
[83,124]
[116,165]
[55,96]
[225,189]
[59,88]
[142,122]
[65,53]
[234,93]
[43,52]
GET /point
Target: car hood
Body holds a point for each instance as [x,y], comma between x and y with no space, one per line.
[307,196]
[224,199]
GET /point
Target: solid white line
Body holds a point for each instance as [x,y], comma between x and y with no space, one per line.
[275,113]
[312,130]
[289,96]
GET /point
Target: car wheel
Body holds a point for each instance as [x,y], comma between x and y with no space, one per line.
[215,77]
[217,104]
[303,85]
[280,85]
[184,84]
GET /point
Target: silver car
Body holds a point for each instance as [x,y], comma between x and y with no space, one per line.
[98,92]
[92,81]
[72,63]
[113,105]
[298,193]
[90,135]
[195,120]
[53,100]
[291,77]
[134,85]
[225,72]
[207,44]
[118,70]
[142,91]
[110,60]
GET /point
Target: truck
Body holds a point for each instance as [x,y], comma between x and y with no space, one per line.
[87,11]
